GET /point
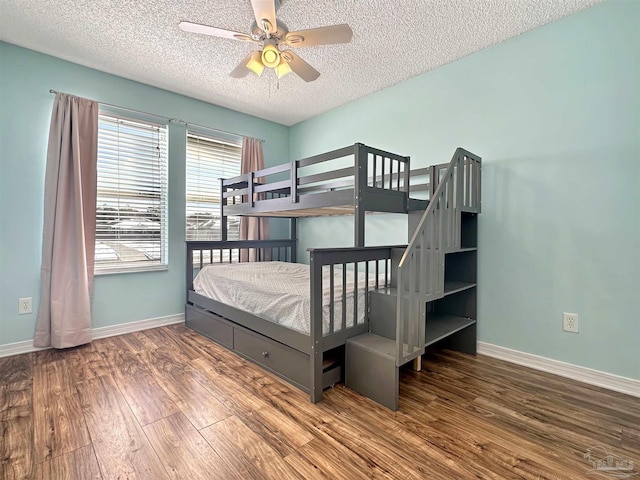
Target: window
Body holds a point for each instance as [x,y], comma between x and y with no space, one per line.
[131,207]
[209,160]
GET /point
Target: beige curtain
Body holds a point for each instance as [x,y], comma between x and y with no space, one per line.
[253,228]
[68,234]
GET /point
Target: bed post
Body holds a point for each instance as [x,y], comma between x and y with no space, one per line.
[315,330]
[223,218]
[294,181]
[293,235]
[360,182]
[407,177]
[433,180]
[189,270]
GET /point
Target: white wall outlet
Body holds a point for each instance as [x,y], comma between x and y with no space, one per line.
[25,306]
[570,322]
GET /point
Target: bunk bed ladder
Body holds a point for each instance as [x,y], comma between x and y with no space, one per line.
[373,359]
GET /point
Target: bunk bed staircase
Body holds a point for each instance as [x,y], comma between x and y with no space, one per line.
[432,294]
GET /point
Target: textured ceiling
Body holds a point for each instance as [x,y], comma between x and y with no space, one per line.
[392,41]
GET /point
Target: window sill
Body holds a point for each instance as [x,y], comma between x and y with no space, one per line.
[116,271]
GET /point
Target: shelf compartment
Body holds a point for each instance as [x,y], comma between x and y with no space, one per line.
[440,327]
[461,266]
[453,251]
[451,287]
[469,230]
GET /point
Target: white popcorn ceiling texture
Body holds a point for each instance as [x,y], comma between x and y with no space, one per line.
[393,41]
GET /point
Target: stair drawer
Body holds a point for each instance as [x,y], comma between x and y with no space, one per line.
[276,357]
[210,325]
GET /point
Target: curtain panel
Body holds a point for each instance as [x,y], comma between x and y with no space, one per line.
[68,235]
[253,228]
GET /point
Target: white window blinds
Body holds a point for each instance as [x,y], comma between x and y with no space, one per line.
[131,216]
[209,160]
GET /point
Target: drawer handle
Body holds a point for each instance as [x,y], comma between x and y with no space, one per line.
[265,354]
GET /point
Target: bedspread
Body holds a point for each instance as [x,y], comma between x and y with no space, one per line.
[279,292]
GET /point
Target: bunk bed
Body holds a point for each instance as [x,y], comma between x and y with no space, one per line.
[350,180]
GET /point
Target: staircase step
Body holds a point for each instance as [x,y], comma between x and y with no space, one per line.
[391,292]
[449,250]
[461,250]
[375,344]
[416,204]
[387,291]
[370,368]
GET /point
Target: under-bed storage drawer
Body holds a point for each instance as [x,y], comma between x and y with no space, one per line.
[280,359]
[210,325]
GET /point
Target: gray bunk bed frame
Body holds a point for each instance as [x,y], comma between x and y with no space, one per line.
[355,180]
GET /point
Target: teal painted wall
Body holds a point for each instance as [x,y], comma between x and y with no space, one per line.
[555,115]
[25,112]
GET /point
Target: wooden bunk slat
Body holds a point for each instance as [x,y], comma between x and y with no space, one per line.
[310,212]
[323,157]
[323,177]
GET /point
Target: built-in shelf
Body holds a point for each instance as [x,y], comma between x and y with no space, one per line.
[440,327]
[450,287]
[469,230]
[462,250]
[454,287]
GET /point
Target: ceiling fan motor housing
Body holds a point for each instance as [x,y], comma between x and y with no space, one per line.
[279,35]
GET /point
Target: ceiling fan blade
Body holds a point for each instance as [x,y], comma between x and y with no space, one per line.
[214,31]
[300,67]
[265,13]
[241,70]
[320,36]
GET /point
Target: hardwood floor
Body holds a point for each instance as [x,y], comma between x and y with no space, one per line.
[169,404]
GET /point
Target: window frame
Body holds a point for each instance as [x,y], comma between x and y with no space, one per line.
[216,137]
[160,177]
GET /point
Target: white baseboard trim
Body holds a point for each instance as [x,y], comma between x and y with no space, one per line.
[610,381]
[17,348]
[100,332]
[104,332]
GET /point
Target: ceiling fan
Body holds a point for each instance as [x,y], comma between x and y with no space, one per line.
[274,37]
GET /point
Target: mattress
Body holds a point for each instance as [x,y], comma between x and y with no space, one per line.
[279,292]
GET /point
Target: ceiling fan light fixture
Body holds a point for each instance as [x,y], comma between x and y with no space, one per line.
[270,55]
[282,69]
[255,64]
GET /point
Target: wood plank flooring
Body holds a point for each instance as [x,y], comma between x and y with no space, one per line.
[167,403]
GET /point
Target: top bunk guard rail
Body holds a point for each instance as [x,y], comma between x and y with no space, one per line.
[348,180]
[420,277]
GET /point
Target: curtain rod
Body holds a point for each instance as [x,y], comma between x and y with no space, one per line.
[170,119]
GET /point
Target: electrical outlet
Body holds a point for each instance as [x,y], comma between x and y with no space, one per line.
[570,322]
[25,306]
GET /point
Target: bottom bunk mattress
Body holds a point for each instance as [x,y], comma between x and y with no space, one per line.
[280,292]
